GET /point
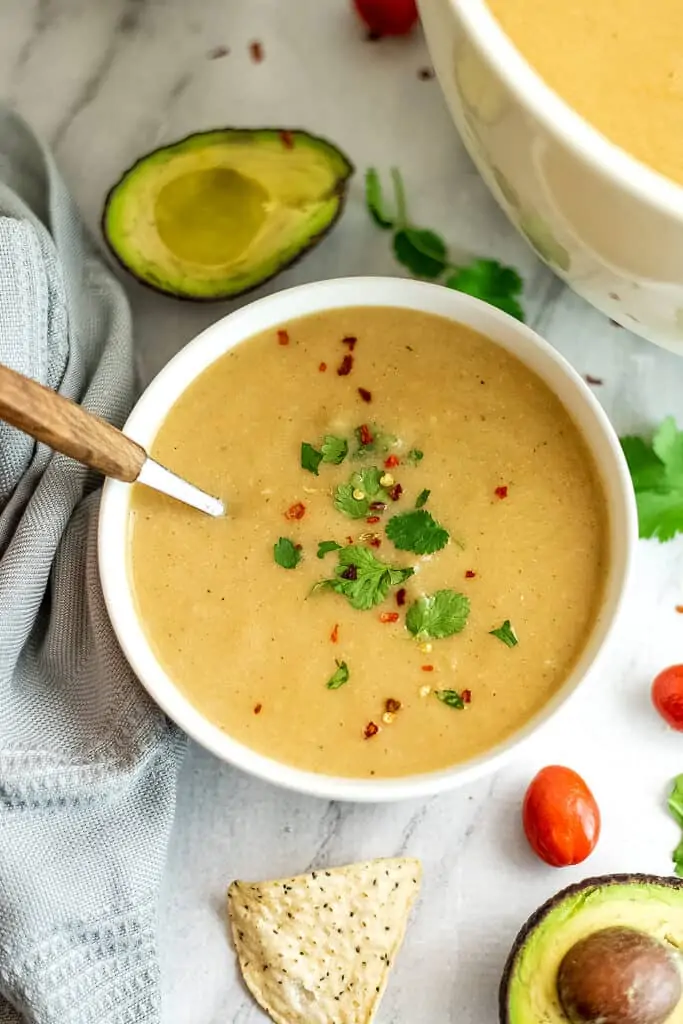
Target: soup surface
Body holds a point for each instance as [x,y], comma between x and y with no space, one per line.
[435,407]
[619,63]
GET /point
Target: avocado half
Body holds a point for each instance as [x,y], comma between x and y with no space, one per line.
[647,903]
[220,212]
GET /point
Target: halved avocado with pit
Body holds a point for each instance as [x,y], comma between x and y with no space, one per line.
[220,212]
[605,951]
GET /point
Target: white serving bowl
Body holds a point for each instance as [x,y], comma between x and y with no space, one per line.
[607,224]
[267,313]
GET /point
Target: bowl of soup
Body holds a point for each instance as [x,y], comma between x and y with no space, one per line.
[428,533]
[572,114]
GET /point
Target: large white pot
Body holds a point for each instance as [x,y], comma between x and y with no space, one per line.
[608,225]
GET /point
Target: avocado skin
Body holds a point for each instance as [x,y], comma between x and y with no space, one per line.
[596,882]
[341,193]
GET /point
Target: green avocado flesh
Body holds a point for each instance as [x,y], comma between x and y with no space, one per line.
[646,903]
[220,212]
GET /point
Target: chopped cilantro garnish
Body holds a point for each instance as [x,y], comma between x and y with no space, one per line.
[435,616]
[452,698]
[365,485]
[676,809]
[362,579]
[422,498]
[339,677]
[334,449]
[286,553]
[415,456]
[324,546]
[310,457]
[425,254]
[506,633]
[416,531]
[657,474]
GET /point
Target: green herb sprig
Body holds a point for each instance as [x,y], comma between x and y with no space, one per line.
[362,579]
[676,809]
[452,698]
[417,531]
[286,553]
[656,468]
[339,676]
[439,615]
[505,633]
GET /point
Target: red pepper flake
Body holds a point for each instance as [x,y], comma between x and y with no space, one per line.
[334,635]
[388,617]
[596,381]
[425,74]
[427,668]
[287,139]
[392,462]
[501,492]
[349,573]
[469,574]
[296,511]
[372,519]
[365,434]
[282,337]
[466,696]
[370,730]
[345,368]
[350,540]
[365,394]
[218,51]
[392,706]
[258,708]
[256,51]
[322,367]
[679,609]
[401,596]
[378,506]
[375,542]
[350,343]
[395,492]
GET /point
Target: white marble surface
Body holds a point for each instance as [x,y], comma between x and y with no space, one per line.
[106,80]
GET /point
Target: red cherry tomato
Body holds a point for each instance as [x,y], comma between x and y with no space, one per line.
[387,17]
[560,816]
[667,696]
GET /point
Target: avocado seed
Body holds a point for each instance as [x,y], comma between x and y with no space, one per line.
[619,976]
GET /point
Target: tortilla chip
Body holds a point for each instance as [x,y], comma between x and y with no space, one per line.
[318,948]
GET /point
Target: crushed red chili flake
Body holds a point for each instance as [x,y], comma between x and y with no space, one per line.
[322,367]
[256,51]
[395,492]
[258,709]
[282,337]
[425,74]
[375,542]
[466,696]
[370,730]
[392,706]
[501,492]
[349,573]
[365,394]
[287,139]
[350,342]
[349,540]
[388,617]
[365,434]
[378,506]
[392,462]
[334,635]
[469,574]
[596,381]
[372,519]
[401,596]
[296,511]
[427,668]
[344,369]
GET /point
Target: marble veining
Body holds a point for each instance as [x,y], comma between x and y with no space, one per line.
[103,82]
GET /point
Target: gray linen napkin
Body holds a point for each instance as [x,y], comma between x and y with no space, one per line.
[87,762]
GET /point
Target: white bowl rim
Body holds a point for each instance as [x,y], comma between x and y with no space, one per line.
[210,344]
[560,119]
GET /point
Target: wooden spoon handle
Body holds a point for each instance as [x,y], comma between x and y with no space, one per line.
[67,428]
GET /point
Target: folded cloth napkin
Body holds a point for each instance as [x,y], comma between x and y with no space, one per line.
[87,762]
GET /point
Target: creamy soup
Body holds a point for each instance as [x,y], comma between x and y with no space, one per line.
[295,671]
[619,63]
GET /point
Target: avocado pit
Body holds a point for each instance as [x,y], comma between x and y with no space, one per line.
[619,975]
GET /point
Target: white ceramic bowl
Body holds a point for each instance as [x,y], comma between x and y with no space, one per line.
[267,313]
[608,225]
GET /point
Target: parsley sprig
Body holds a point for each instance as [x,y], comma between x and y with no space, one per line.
[657,472]
[425,254]
[436,616]
[363,579]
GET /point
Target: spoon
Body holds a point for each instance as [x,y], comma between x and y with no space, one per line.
[69,429]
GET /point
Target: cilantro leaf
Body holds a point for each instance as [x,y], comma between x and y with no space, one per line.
[325,546]
[339,677]
[660,514]
[286,553]
[421,251]
[657,474]
[422,498]
[667,444]
[362,579]
[506,633]
[647,470]
[452,698]
[334,449]
[435,616]
[491,281]
[374,200]
[416,531]
[676,809]
[365,482]
[310,457]
[415,456]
